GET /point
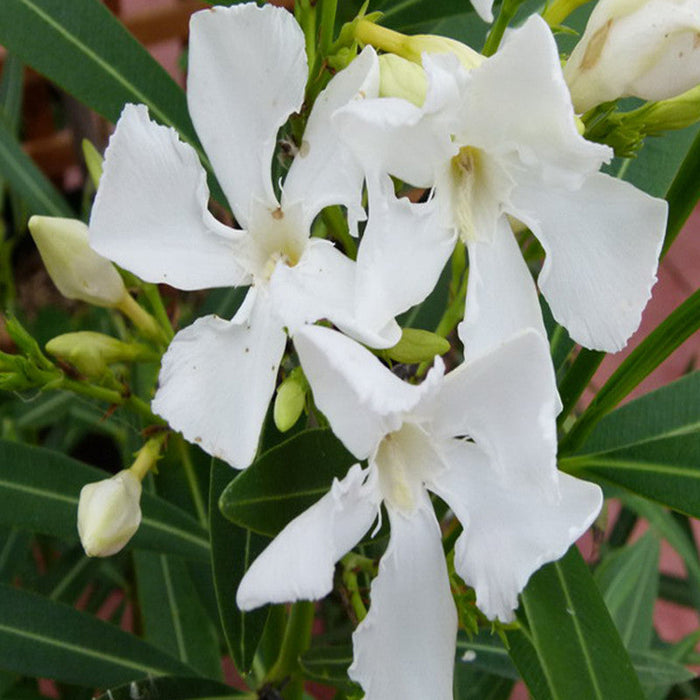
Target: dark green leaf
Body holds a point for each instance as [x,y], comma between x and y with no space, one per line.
[629,581]
[486,652]
[524,655]
[285,481]
[19,172]
[170,688]
[43,638]
[233,549]
[39,491]
[329,665]
[83,48]
[173,617]
[404,14]
[650,446]
[572,630]
[655,670]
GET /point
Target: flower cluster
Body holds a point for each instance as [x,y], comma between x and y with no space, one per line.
[496,146]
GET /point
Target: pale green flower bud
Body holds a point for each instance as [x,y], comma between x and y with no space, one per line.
[91,353]
[75,268]
[676,113]
[399,77]
[417,345]
[642,48]
[290,401]
[109,513]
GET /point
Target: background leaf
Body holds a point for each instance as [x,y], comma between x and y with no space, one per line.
[571,629]
[233,549]
[39,491]
[43,638]
[285,481]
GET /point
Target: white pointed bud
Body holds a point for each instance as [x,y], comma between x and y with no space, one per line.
[75,268]
[642,48]
[399,77]
[109,513]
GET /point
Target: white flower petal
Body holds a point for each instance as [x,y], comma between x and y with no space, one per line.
[392,135]
[361,398]
[217,378]
[507,402]
[150,215]
[524,78]
[484,9]
[602,243]
[299,563]
[509,531]
[501,294]
[324,171]
[405,647]
[322,285]
[247,74]
[404,249]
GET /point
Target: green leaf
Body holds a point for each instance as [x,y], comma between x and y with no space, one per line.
[403,14]
[655,670]
[522,651]
[171,688]
[39,637]
[329,665]
[470,684]
[233,549]
[486,652]
[82,47]
[20,173]
[572,629]
[173,617]
[285,481]
[629,581]
[676,328]
[650,446]
[39,491]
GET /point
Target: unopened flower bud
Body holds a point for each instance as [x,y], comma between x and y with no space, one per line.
[412,48]
[417,345]
[399,77]
[642,48]
[91,353]
[75,268]
[290,401]
[109,513]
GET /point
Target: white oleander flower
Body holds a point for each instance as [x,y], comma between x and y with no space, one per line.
[109,513]
[247,74]
[482,438]
[642,48]
[501,140]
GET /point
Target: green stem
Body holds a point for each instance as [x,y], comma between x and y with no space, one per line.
[351,583]
[338,227]
[140,318]
[329,9]
[498,28]
[387,40]
[152,294]
[297,637]
[559,10]
[188,467]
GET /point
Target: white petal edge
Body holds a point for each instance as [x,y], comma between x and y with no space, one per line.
[361,398]
[217,378]
[602,243]
[247,74]
[510,531]
[325,172]
[507,402]
[322,285]
[403,251]
[405,647]
[150,214]
[299,563]
[501,294]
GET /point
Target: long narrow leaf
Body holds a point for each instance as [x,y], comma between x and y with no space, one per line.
[40,637]
[578,646]
[39,491]
[18,170]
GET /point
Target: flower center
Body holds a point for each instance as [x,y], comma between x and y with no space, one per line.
[467,178]
[404,459]
[279,237]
